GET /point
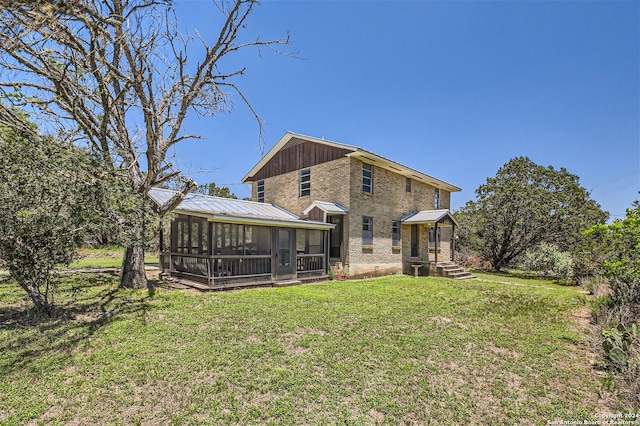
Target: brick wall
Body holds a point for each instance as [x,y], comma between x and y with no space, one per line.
[389,202]
[329,182]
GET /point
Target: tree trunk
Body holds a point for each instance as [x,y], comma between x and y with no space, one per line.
[497,263]
[42,305]
[133,273]
[39,300]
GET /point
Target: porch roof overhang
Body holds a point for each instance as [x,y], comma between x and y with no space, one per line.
[217,209]
[327,207]
[430,217]
[299,223]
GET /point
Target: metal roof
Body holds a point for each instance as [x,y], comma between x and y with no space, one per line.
[429,216]
[232,210]
[327,207]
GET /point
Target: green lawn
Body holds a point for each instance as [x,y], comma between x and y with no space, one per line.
[110,257]
[390,350]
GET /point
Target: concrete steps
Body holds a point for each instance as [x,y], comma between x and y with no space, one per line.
[453,271]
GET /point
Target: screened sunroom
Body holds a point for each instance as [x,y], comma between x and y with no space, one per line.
[225,242]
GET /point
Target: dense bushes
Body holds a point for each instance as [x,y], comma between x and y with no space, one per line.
[548,261]
[47,204]
[618,245]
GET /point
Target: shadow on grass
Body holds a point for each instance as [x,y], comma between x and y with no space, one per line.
[513,273]
[85,304]
[525,275]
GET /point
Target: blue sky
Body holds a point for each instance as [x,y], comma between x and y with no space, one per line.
[453,89]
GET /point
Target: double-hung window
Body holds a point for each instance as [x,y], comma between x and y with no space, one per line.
[305,182]
[395,234]
[367,231]
[436,200]
[367,178]
[407,184]
[260,191]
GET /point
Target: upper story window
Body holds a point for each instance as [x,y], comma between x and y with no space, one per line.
[408,184]
[367,231]
[367,178]
[395,234]
[260,191]
[305,182]
[436,200]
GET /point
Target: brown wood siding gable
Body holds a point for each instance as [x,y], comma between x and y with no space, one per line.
[298,154]
[316,214]
[446,221]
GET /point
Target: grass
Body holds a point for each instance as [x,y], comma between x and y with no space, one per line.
[518,277]
[390,350]
[108,257]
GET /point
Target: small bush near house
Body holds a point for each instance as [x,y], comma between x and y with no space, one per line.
[468,258]
[548,261]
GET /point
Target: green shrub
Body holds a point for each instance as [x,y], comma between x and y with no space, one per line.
[626,298]
[600,310]
[547,260]
[621,346]
[617,344]
[617,247]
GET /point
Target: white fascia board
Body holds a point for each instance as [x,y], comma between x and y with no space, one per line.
[265,159]
[282,142]
[191,213]
[356,153]
[303,224]
[322,205]
[401,169]
[324,141]
[429,217]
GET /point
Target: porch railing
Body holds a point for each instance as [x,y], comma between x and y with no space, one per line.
[224,269]
[218,269]
[310,264]
[190,265]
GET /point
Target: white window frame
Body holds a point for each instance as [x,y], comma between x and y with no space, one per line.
[367,178]
[367,230]
[260,191]
[305,183]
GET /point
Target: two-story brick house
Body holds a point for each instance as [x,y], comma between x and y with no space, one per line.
[387,216]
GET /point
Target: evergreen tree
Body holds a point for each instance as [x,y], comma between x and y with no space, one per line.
[524,205]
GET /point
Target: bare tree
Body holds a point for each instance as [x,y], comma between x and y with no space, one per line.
[119,76]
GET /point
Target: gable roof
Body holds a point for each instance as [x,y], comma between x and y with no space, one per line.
[291,139]
[218,209]
[327,207]
[442,216]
